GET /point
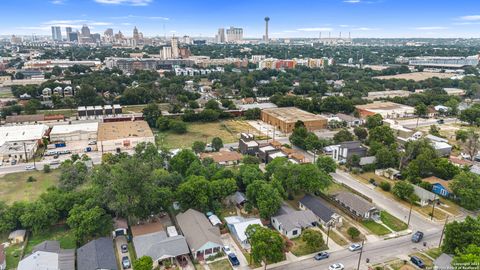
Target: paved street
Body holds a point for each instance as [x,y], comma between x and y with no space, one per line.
[377,252]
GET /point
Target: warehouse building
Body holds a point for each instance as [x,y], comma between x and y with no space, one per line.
[387,94]
[20,142]
[388,110]
[74,132]
[118,136]
[285,119]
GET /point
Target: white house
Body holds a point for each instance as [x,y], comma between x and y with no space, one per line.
[238,225]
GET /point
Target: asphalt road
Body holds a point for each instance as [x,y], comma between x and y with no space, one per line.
[377,252]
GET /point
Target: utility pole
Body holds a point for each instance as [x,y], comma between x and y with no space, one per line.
[360,257]
[328,233]
[433,206]
[443,231]
[25,150]
[409,213]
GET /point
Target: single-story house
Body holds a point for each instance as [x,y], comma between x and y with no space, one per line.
[97,254]
[3,259]
[238,198]
[324,213]
[223,157]
[292,223]
[351,121]
[439,186]
[49,255]
[238,225]
[356,205]
[160,247]
[426,197]
[202,237]
[443,262]
[17,236]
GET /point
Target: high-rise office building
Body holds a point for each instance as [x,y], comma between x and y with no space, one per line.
[166,52]
[72,37]
[85,31]
[108,32]
[234,34]
[136,36]
[174,44]
[68,30]
[85,35]
[56,33]
[221,35]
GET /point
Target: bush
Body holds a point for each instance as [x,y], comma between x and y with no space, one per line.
[31,179]
[178,127]
[46,168]
[353,232]
[385,186]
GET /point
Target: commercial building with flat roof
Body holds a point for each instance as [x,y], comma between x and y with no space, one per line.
[388,110]
[117,136]
[387,94]
[285,118]
[74,132]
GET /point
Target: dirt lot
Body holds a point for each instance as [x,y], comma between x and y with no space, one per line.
[416,76]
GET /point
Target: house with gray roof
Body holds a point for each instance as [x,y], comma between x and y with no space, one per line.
[202,237]
[425,197]
[49,256]
[443,262]
[343,151]
[97,254]
[160,247]
[325,215]
[356,206]
[292,223]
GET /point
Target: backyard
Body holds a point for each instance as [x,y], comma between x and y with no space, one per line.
[59,233]
[229,131]
[15,187]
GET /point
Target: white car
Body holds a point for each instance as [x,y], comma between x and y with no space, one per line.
[227,250]
[30,168]
[355,247]
[336,266]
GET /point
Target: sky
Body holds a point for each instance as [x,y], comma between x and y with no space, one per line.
[288,18]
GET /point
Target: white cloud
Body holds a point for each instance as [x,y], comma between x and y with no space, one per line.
[364,29]
[125,2]
[58,2]
[466,23]
[431,28]
[470,18]
[142,17]
[352,1]
[126,23]
[315,29]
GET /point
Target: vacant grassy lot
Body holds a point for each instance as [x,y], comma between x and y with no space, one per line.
[229,131]
[220,265]
[65,112]
[60,233]
[375,228]
[392,222]
[300,247]
[14,187]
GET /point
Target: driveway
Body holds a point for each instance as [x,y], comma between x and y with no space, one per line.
[119,241]
[228,241]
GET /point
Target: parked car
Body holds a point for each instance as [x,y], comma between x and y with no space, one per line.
[441,121]
[126,262]
[355,247]
[13,162]
[417,261]
[322,255]
[55,162]
[226,250]
[417,237]
[233,259]
[30,167]
[336,266]
[124,248]
[92,143]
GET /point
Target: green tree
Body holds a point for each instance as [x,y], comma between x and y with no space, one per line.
[420,111]
[252,114]
[361,133]
[471,256]
[163,123]
[217,143]
[466,186]
[470,141]
[248,173]
[460,234]
[264,197]
[181,161]
[72,175]
[343,136]
[387,157]
[32,106]
[177,126]
[46,168]
[313,239]
[374,121]
[327,164]
[10,216]
[151,113]
[143,263]
[353,161]
[198,146]
[250,160]
[89,222]
[266,245]
[403,190]
[39,216]
[382,135]
[353,232]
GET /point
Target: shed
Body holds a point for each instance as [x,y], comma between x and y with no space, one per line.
[17,236]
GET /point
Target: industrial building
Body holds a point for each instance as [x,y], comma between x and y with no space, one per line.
[97,111]
[388,110]
[443,61]
[74,132]
[118,136]
[285,118]
[20,142]
[387,94]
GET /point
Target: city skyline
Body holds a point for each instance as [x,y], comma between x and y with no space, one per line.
[372,18]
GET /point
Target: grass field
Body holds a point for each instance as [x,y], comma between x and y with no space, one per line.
[300,247]
[375,228]
[60,233]
[220,265]
[12,254]
[229,131]
[65,112]
[434,252]
[14,187]
[392,222]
